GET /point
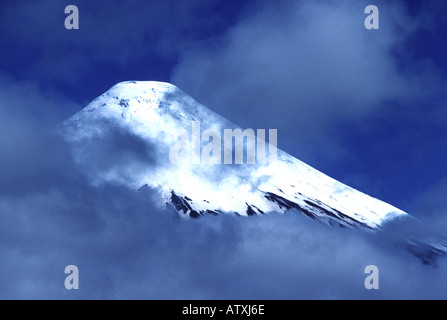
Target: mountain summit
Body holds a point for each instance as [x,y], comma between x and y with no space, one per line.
[136,124]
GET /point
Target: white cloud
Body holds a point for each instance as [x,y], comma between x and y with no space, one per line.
[303,68]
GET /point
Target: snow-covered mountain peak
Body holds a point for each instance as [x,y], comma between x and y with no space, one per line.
[138,88]
[141,118]
[135,125]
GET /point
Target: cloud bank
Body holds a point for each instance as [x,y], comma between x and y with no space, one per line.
[126,247]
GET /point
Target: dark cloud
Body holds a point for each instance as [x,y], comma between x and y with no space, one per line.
[110,148]
[313,62]
[30,154]
[430,205]
[126,246]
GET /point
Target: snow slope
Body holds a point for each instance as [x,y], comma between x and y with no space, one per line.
[148,114]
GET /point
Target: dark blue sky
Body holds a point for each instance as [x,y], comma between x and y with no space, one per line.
[367,107]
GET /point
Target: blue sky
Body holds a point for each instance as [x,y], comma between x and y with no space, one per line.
[367,107]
